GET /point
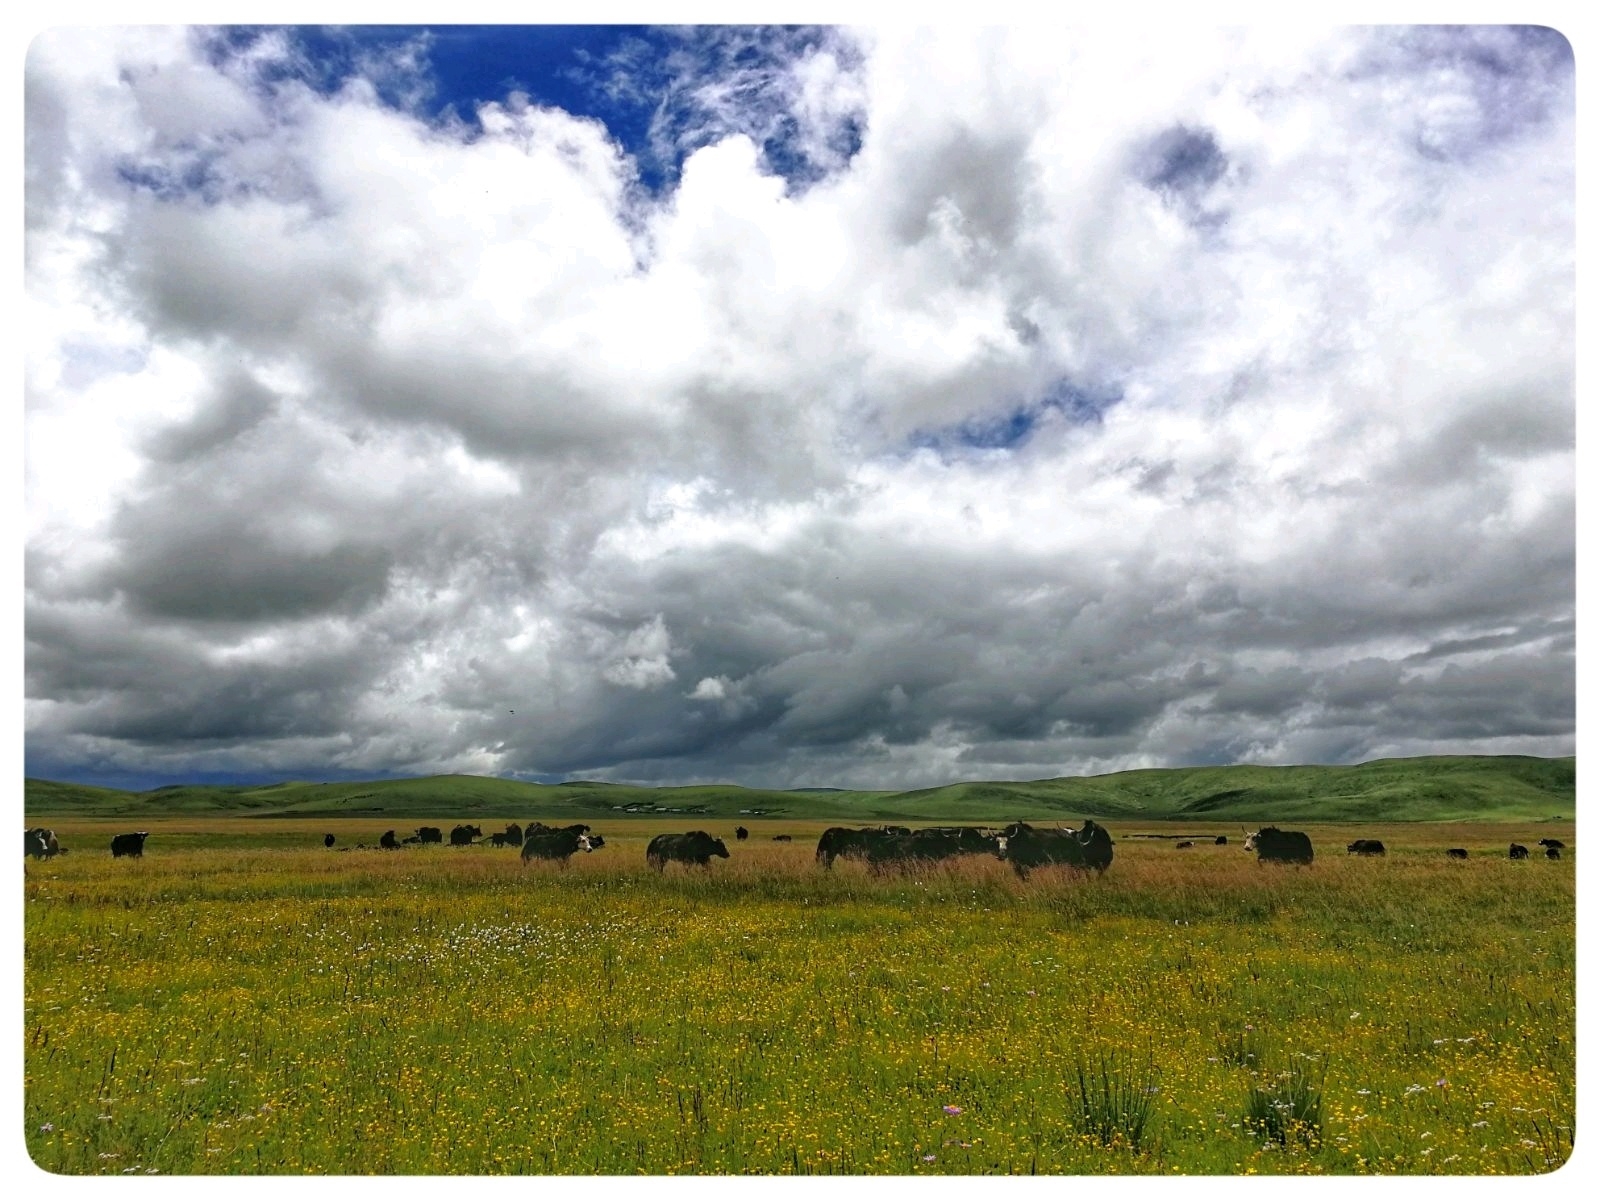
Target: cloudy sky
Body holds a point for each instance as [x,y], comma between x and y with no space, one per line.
[795,407]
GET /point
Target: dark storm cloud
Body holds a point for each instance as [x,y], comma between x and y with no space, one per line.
[240,404]
[237,574]
[1261,693]
[163,689]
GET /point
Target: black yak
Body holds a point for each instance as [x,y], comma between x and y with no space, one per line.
[557,844]
[840,842]
[928,845]
[129,844]
[1279,845]
[1025,847]
[697,847]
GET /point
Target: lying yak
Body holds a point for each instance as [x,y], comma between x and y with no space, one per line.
[1365,846]
[697,847]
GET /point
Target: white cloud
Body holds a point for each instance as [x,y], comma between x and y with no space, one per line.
[710,688]
[349,434]
[641,661]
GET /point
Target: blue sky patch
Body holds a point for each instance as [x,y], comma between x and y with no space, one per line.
[1075,403]
[661,92]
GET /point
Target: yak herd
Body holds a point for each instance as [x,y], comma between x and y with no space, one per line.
[880,847]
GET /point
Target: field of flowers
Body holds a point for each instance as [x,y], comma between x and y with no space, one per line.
[242,1000]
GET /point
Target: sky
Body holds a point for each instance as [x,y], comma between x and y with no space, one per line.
[847,407]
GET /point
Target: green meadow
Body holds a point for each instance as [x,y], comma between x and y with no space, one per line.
[1451,788]
[242,1000]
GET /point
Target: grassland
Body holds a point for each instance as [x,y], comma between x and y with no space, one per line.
[1456,788]
[241,1000]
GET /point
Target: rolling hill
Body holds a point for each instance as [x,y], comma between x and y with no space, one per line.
[1441,788]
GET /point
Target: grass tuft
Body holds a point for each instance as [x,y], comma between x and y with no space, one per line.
[1115,1095]
[1286,1106]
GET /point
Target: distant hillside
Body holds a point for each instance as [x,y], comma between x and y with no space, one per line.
[1453,788]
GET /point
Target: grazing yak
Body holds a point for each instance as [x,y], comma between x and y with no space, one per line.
[465,835]
[557,844]
[1222,839]
[327,840]
[840,842]
[129,844]
[388,841]
[1552,852]
[782,837]
[1456,852]
[40,843]
[511,837]
[1552,844]
[1279,845]
[1025,847]
[430,833]
[697,847]
[740,832]
[1365,846]
[533,827]
[1184,846]
[928,845]
[1518,851]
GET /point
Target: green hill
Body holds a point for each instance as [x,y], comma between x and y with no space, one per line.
[1444,788]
